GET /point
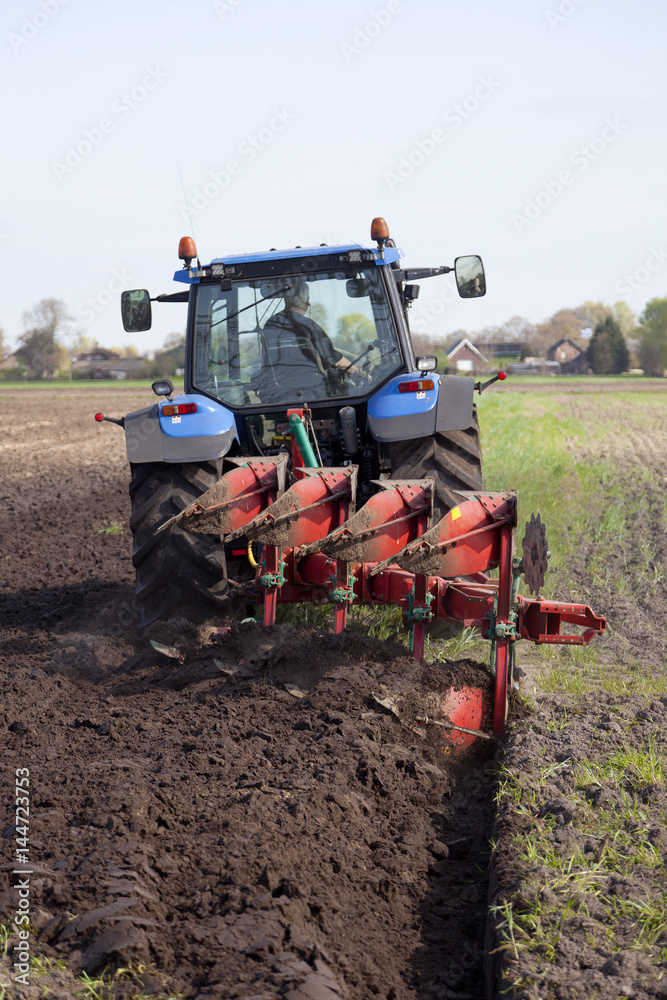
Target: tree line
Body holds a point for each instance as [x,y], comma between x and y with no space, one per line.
[50,345]
[613,338]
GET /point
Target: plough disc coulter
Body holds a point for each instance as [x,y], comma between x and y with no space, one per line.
[316,548]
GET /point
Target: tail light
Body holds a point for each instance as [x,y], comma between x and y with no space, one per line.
[176,409]
[422,385]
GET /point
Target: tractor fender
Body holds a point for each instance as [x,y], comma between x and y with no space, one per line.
[152,436]
[394,415]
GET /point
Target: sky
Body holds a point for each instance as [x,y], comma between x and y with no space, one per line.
[530,132]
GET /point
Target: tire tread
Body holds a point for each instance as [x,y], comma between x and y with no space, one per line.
[175,569]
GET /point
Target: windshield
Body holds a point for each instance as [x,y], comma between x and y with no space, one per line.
[289,340]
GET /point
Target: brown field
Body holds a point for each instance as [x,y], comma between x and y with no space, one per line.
[218,836]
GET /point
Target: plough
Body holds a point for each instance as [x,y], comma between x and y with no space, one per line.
[313,546]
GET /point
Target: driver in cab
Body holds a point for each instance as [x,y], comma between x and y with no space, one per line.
[315,340]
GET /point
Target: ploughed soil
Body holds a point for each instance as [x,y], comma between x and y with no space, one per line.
[261,814]
[246,820]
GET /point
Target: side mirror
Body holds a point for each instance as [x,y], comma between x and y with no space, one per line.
[163,387]
[135,308]
[470,279]
[357,288]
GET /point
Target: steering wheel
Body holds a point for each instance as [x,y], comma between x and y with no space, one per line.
[356,379]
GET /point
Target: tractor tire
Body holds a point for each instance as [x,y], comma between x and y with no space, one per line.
[176,570]
[452,458]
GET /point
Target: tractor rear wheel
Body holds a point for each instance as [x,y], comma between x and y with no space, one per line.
[452,458]
[175,569]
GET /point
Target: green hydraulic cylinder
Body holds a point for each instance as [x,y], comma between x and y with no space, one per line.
[304,445]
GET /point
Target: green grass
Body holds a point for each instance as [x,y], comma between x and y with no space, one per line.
[632,768]
[120,983]
[115,528]
[531,920]
[381,622]
[466,644]
[524,444]
[533,444]
[593,465]
[40,965]
[557,885]
[579,462]
[384,622]
[125,982]
[6,931]
[304,615]
[592,381]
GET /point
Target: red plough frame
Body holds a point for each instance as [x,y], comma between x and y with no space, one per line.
[315,548]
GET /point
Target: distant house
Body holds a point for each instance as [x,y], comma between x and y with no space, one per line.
[465,357]
[10,361]
[96,354]
[570,356]
[120,368]
[101,363]
[88,361]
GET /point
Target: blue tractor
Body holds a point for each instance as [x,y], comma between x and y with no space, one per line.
[320,330]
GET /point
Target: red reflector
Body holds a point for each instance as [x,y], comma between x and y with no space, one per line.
[99,417]
[178,408]
[423,385]
[502,376]
[239,552]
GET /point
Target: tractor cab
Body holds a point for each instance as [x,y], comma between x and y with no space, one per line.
[326,334]
[323,328]
[284,328]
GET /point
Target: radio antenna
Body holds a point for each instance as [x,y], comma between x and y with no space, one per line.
[187,205]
